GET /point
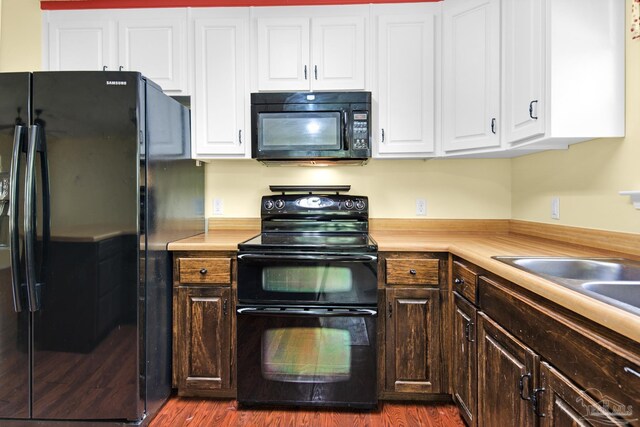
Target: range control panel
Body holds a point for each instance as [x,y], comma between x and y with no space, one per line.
[314,204]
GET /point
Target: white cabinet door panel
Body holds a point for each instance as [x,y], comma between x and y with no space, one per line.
[471,77]
[156,48]
[220,87]
[524,66]
[406,73]
[283,54]
[80,45]
[338,50]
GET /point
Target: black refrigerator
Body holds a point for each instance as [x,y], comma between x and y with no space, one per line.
[95,180]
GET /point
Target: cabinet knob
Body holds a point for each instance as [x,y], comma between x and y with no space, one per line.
[390,310]
[203,271]
[240,137]
[413,272]
[493,126]
[224,307]
[458,281]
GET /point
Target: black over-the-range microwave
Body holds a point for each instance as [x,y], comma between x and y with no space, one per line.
[322,127]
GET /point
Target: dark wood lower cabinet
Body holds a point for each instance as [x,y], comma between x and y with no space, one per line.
[507,373]
[412,341]
[562,404]
[204,339]
[464,359]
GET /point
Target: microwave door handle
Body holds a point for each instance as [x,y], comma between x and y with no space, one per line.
[345,129]
[318,257]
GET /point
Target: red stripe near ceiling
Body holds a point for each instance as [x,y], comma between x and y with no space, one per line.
[119,4]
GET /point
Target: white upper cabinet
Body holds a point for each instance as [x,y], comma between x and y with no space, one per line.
[406,93]
[523,70]
[310,48]
[338,53]
[563,72]
[283,54]
[151,41]
[78,40]
[221,95]
[471,75]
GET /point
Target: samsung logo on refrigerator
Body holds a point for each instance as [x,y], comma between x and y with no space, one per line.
[116,83]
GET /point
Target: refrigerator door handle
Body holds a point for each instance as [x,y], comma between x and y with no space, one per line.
[14,231]
[33,297]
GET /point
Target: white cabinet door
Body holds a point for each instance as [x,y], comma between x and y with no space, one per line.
[523,41]
[79,41]
[155,45]
[283,54]
[406,47]
[338,53]
[471,74]
[221,87]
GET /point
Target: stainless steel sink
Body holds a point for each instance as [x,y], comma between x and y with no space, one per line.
[591,269]
[615,281]
[625,292]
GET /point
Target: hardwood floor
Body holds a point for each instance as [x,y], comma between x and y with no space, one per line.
[206,412]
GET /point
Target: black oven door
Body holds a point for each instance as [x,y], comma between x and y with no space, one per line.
[307,279]
[319,357]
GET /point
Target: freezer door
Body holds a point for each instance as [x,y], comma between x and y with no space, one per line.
[14,325]
[86,333]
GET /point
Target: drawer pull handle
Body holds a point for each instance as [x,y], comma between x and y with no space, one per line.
[632,371]
[536,396]
[203,271]
[522,386]
[413,272]
[458,281]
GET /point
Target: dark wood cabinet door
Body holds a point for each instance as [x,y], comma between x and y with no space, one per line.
[412,363]
[204,339]
[506,377]
[465,381]
[562,404]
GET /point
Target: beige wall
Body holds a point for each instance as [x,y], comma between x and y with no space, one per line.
[20,35]
[452,188]
[588,176]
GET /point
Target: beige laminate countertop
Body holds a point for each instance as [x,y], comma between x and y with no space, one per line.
[477,248]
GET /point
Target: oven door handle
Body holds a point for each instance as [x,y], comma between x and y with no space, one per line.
[257,311]
[317,257]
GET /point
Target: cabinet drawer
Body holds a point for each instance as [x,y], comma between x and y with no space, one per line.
[465,281]
[412,271]
[205,270]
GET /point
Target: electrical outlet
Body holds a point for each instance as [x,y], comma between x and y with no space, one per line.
[218,207]
[555,207]
[421,207]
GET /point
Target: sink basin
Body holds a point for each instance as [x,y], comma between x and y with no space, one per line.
[582,269]
[615,281]
[625,292]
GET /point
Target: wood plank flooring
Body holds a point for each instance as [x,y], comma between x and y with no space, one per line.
[225,413]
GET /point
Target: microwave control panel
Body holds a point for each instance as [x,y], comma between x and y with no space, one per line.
[360,130]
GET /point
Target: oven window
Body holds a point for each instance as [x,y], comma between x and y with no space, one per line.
[299,130]
[306,355]
[307,279]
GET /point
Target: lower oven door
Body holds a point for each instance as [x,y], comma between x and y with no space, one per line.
[319,357]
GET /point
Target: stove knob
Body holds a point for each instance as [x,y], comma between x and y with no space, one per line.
[268,204]
[348,204]
[279,204]
[360,204]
